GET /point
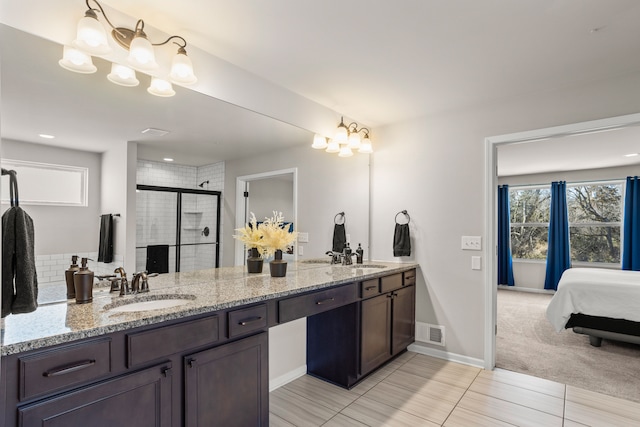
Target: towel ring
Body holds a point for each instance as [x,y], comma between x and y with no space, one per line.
[335,218]
[405,213]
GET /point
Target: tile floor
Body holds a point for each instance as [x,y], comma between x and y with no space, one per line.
[417,390]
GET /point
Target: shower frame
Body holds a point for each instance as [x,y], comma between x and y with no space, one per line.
[179,192]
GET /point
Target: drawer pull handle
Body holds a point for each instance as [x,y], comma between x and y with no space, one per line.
[166,371]
[249,321]
[69,368]
[370,288]
[325,301]
[191,362]
[410,277]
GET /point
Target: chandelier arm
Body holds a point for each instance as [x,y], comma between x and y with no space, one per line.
[102,12]
[183,45]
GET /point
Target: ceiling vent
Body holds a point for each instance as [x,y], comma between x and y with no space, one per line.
[155,132]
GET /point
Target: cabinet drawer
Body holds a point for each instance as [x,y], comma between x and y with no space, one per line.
[390,283]
[317,302]
[247,320]
[150,345]
[409,277]
[369,288]
[64,367]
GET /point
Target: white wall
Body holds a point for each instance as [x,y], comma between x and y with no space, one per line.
[62,229]
[269,194]
[434,167]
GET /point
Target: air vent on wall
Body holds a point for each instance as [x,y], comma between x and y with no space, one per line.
[431,334]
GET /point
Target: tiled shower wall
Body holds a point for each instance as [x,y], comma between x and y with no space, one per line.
[50,268]
[168,175]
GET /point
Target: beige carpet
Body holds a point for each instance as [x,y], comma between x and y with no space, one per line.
[527,343]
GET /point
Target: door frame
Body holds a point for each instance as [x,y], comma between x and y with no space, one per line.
[490,197]
[241,182]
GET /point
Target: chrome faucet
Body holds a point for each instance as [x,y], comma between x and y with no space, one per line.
[336,257]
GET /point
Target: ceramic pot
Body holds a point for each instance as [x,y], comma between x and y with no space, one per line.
[278,266]
[254,261]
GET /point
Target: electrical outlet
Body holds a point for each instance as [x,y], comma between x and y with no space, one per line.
[348,238]
[471,243]
[303,237]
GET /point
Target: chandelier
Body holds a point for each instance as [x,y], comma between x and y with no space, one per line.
[345,140]
[91,40]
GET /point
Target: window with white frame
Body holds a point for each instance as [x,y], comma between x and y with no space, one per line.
[595,214]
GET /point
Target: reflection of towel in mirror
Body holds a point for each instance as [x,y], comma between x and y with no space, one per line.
[339,237]
[105,245]
[157,259]
[401,240]
[19,279]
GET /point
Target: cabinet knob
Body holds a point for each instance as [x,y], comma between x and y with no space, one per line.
[166,371]
[191,362]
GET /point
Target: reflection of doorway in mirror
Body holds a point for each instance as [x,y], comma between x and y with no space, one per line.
[263,194]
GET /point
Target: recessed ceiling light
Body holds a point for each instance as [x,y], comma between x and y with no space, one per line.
[155,132]
[168,159]
[46,136]
[632,154]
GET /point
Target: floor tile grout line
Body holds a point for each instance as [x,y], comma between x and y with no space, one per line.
[525,388]
[462,397]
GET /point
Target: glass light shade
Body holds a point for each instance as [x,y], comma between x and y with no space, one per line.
[77,61]
[123,76]
[341,136]
[141,54]
[182,70]
[91,37]
[160,87]
[333,147]
[319,142]
[354,140]
[365,146]
[345,151]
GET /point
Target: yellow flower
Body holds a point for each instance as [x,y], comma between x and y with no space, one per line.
[251,234]
[275,234]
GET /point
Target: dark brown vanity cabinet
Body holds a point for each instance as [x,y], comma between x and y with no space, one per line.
[346,344]
[228,385]
[139,399]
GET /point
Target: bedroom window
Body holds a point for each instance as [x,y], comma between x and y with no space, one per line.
[595,221]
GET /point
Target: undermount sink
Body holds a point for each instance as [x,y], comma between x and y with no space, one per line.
[149,302]
[316,261]
[368,266]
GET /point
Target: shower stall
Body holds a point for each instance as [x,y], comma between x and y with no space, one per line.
[177,229]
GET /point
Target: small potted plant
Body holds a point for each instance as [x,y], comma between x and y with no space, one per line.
[252,237]
[276,238]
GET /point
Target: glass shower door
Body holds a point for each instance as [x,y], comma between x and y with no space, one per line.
[156,217]
[198,232]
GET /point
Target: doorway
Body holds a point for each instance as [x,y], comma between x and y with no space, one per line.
[262,194]
[181,226]
[491,185]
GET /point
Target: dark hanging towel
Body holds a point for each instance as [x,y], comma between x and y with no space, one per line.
[105,245]
[339,237]
[157,259]
[401,240]
[19,279]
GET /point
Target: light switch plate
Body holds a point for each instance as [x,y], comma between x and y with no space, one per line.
[300,250]
[303,237]
[471,243]
[476,263]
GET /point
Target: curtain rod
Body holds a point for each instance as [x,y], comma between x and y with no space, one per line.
[572,183]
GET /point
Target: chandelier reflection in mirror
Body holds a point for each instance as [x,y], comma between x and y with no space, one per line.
[345,140]
[91,40]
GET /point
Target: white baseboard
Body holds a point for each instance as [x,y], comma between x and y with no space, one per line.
[423,348]
[523,289]
[275,383]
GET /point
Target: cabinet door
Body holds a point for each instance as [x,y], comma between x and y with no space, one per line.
[376,332]
[228,385]
[403,325]
[140,399]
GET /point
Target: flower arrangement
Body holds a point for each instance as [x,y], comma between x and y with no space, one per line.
[251,234]
[275,235]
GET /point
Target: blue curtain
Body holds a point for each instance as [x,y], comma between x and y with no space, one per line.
[505,264]
[631,225]
[559,252]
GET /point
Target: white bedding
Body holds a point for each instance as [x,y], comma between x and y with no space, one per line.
[595,292]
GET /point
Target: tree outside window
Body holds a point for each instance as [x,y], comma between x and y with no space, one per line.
[595,213]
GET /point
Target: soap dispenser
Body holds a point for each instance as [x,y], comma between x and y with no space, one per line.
[359,254]
[83,281]
[68,275]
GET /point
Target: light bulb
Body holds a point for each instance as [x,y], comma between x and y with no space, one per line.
[365,146]
[354,140]
[341,136]
[345,151]
[160,87]
[141,53]
[182,69]
[123,76]
[77,61]
[91,36]
[319,142]
[333,147]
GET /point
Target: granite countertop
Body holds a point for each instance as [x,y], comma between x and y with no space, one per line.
[206,291]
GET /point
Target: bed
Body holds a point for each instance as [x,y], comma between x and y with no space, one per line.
[600,303]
